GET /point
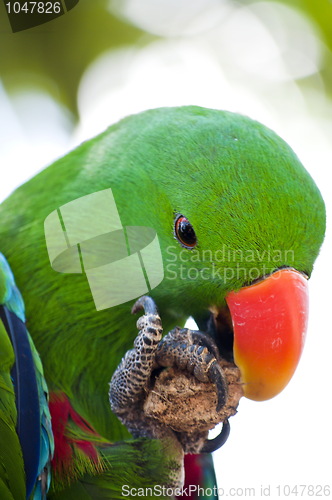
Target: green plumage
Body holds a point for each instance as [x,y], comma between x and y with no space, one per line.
[250,200]
[12,483]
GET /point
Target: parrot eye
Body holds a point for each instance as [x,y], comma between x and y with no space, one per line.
[184,232]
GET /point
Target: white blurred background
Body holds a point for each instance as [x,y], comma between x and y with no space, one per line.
[262,59]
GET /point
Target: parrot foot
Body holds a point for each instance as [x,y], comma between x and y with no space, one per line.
[191,352]
[132,377]
[196,353]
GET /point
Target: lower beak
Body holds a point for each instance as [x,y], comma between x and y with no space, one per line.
[269,323]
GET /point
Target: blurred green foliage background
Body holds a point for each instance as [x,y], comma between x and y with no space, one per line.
[55,55]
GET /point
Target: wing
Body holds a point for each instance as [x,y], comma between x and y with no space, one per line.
[25,426]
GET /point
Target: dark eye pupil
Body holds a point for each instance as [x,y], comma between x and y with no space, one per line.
[185,232]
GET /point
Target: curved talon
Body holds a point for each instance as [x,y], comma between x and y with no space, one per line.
[145,303]
[217,377]
[216,443]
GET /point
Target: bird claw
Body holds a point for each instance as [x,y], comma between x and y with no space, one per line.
[188,350]
[133,374]
[196,353]
[214,444]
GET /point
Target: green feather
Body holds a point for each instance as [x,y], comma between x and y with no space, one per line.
[12,478]
[141,463]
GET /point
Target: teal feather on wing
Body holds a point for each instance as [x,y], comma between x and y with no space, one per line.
[46,441]
[10,296]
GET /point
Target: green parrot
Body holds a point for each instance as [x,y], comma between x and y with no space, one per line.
[205,213]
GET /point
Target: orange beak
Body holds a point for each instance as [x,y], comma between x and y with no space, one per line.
[269,323]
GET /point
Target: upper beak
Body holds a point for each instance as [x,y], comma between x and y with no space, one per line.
[269,322]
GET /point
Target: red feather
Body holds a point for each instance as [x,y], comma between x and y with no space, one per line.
[193,475]
[62,413]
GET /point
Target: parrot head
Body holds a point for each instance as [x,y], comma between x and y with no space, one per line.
[240,223]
